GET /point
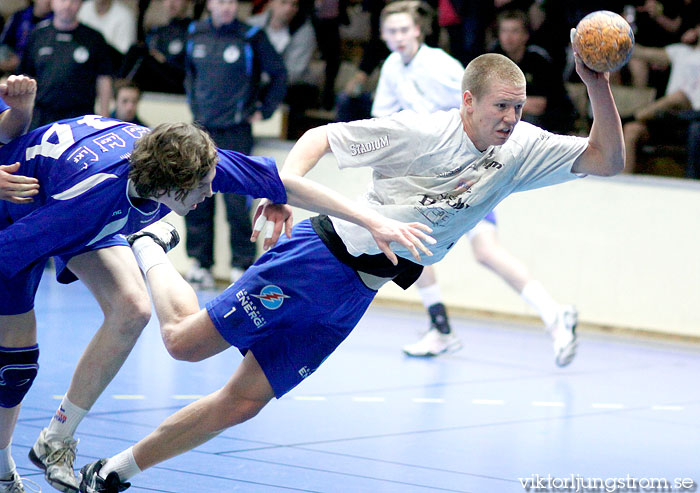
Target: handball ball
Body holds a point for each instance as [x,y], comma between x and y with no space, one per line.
[604,41]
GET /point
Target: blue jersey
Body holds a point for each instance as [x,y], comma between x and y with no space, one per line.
[3,106]
[82,165]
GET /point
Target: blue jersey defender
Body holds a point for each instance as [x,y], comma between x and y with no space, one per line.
[82,165]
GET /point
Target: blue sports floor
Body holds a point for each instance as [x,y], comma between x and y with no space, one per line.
[372,420]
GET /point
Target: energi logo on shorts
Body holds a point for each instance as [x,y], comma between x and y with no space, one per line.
[271,297]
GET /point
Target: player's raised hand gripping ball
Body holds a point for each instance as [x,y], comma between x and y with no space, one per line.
[604,41]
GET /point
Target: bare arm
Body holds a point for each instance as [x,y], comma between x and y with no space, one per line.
[18,93]
[605,154]
[656,56]
[104,94]
[313,196]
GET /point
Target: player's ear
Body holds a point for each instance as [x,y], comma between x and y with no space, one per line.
[467,100]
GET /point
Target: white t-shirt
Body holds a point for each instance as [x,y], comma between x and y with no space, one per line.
[118,25]
[685,72]
[426,169]
[430,82]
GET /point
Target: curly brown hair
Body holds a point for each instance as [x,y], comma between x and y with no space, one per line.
[172,157]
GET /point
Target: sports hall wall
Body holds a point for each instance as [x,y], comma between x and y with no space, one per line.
[624,250]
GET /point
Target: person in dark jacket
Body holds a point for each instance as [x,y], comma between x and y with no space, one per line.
[226,63]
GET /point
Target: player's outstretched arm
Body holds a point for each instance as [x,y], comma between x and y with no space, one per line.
[18,92]
[302,192]
[605,155]
[16,188]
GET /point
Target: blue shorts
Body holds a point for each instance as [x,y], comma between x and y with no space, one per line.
[292,308]
[64,274]
[17,293]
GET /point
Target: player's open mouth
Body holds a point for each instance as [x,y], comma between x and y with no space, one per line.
[505,132]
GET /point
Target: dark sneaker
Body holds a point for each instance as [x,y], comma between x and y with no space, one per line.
[90,482]
[163,233]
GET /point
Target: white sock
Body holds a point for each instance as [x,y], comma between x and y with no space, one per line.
[430,295]
[123,464]
[148,254]
[64,423]
[538,298]
[7,464]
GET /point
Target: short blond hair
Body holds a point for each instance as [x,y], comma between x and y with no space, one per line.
[421,13]
[484,69]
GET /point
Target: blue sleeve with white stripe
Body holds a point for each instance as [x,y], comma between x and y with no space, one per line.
[249,175]
[81,165]
[59,227]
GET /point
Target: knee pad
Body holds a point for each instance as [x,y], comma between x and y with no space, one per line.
[18,369]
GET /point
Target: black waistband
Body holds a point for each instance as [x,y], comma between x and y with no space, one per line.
[404,274]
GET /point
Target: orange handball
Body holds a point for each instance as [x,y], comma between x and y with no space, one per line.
[604,41]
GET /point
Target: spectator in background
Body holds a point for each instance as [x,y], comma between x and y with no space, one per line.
[415,76]
[292,35]
[327,18]
[355,100]
[662,120]
[548,105]
[16,33]
[466,22]
[115,20]
[142,7]
[126,102]
[159,64]
[551,21]
[225,62]
[71,65]
[658,24]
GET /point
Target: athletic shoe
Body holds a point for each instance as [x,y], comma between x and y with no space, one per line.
[563,335]
[56,458]
[163,233]
[15,484]
[90,482]
[200,277]
[434,343]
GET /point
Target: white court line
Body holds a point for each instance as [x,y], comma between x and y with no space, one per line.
[425,400]
[368,399]
[603,405]
[188,397]
[309,398]
[488,402]
[547,404]
[58,397]
[127,397]
[667,408]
